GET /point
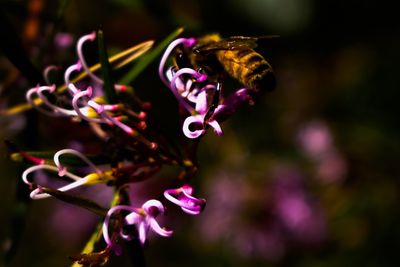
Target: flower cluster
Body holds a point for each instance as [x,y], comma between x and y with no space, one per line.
[86,103]
[142,218]
[132,150]
[198,94]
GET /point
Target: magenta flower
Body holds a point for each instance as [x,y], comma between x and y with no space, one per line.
[183,197]
[192,90]
[143,219]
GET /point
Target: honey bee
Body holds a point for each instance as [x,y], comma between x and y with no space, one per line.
[234,56]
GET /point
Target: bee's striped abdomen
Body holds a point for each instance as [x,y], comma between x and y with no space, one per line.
[249,68]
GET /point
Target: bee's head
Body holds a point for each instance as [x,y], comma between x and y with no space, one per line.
[181,58]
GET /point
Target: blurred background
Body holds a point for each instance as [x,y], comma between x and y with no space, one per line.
[309,176]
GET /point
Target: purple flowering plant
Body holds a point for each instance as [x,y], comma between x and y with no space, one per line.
[119,120]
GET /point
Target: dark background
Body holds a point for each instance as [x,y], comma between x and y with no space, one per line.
[306,177]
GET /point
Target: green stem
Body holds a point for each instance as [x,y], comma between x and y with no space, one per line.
[109,91]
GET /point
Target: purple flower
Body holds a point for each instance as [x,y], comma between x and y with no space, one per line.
[315,139]
[63,40]
[183,197]
[232,103]
[143,219]
[192,90]
[299,213]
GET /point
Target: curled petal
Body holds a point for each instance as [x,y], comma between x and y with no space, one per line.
[232,103]
[156,228]
[106,235]
[100,109]
[187,42]
[183,198]
[38,194]
[201,103]
[152,204]
[195,119]
[187,189]
[216,126]
[57,110]
[194,95]
[178,91]
[200,77]
[45,167]
[91,37]
[142,218]
[76,153]
[79,48]
[33,103]
[70,69]
[199,120]
[79,110]
[143,229]
[187,88]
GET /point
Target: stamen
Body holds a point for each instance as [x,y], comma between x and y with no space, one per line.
[75,153]
[45,167]
[100,110]
[57,110]
[70,69]
[32,102]
[36,160]
[75,99]
[91,37]
[38,194]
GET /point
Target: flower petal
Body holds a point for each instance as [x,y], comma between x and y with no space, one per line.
[186,124]
[156,228]
[201,103]
[216,126]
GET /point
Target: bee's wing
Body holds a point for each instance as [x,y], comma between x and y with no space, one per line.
[263,37]
[230,43]
[226,44]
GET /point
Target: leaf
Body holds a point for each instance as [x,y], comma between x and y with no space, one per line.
[109,90]
[146,59]
[77,201]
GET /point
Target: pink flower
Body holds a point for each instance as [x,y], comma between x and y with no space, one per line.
[183,197]
[143,219]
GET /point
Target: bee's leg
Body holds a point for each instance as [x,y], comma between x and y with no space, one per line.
[214,103]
